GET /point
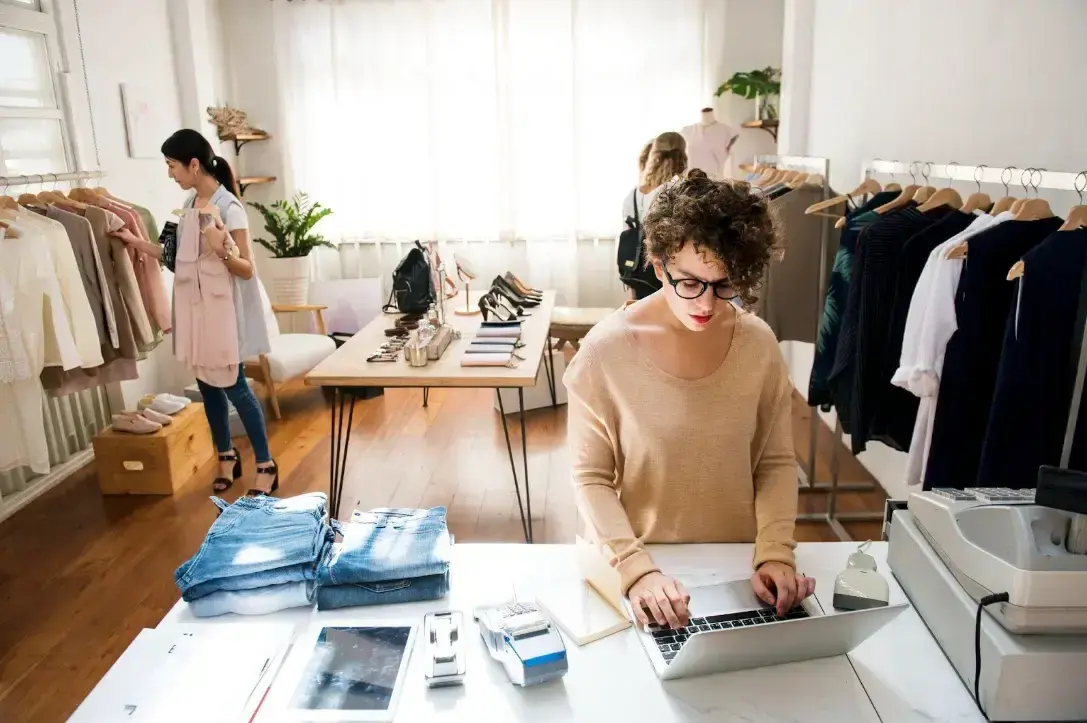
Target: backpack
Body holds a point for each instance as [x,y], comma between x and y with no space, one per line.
[634,269]
[413,288]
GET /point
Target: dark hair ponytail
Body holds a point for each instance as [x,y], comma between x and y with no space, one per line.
[187,144]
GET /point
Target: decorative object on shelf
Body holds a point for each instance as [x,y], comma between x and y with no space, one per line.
[232,122]
[467,273]
[291,226]
[762,85]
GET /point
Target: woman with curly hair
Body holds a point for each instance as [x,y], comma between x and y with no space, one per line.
[679,406]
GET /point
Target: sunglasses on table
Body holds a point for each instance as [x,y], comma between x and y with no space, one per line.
[693,288]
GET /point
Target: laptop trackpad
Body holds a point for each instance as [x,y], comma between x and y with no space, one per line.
[725,597]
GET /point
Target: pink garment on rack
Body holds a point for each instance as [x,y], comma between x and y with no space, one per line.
[148,271]
[205,324]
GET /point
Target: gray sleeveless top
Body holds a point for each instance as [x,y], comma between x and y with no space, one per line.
[253,339]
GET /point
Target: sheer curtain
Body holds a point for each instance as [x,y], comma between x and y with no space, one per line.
[509,126]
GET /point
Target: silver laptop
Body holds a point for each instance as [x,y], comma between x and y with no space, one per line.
[731,629]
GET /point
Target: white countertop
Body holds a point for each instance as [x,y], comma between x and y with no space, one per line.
[898,675]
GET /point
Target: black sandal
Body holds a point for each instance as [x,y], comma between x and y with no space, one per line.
[222,484]
[272,470]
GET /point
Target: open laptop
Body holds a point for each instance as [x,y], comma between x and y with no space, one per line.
[731,629]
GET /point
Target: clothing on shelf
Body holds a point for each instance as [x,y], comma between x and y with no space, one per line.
[708,146]
[388,555]
[254,548]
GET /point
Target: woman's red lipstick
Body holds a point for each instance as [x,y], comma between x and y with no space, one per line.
[699,319]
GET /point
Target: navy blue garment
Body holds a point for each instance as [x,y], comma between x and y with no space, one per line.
[863,341]
[897,411]
[1035,378]
[972,358]
[837,295]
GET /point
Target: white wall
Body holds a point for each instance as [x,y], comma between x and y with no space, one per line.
[993,82]
[145,59]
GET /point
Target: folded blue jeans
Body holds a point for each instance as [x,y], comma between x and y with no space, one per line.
[258,542]
[258,601]
[389,544]
[392,592]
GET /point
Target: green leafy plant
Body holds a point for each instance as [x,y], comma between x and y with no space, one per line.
[291,226]
[748,84]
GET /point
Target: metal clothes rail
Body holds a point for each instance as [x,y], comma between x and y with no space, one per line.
[36,178]
[807,478]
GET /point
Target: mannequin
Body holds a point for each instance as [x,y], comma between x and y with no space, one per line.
[708,144]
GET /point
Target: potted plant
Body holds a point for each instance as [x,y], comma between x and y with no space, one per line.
[291,226]
[762,85]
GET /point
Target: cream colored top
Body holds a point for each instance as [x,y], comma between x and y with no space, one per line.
[660,459]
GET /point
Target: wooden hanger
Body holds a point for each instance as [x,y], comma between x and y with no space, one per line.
[1033,209]
[9,202]
[893,186]
[975,201]
[1077,215]
[922,194]
[900,200]
[55,197]
[1017,270]
[944,197]
[85,195]
[1003,204]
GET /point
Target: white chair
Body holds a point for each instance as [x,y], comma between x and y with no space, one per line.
[292,355]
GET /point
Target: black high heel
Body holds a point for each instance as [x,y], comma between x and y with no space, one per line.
[512,294]
[222,484]
[504,301]
[272,470]
[488,306]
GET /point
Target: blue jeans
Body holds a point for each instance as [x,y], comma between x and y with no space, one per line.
[391,592]
[252,416]
[257,542]
[389,544]
[259,601]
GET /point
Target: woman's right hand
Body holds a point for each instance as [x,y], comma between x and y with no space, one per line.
[125,235]
[657,598]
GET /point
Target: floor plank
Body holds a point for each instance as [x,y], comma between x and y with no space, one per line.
[80,574]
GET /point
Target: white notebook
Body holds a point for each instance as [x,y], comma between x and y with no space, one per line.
[580,611]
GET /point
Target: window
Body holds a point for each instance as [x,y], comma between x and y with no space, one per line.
[32,133]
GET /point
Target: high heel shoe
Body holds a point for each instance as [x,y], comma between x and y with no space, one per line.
[489,307]
[503,299]
[500,283]
[222,484]
[272,470]
[517,284]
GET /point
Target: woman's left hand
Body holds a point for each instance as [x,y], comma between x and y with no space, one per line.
[217,238]
[780,585]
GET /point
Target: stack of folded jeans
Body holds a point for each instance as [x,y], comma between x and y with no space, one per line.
[388,555]
[260,555]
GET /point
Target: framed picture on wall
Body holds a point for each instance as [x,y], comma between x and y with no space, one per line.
[144,127]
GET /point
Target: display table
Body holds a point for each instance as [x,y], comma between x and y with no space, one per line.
[347,372]
[897,675]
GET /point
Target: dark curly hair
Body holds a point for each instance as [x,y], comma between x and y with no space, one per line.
[727,222]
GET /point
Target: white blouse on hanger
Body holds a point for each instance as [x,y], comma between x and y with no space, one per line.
[27,270]
[88,348]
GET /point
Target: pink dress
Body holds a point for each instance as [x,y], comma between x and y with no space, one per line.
[205,323]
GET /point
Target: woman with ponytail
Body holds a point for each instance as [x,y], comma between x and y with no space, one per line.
[218,244]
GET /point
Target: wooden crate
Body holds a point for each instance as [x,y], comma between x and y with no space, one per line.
[154,464]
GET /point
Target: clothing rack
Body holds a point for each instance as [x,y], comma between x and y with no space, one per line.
[1029,178]
[70,421]
[807,478]
[36,178]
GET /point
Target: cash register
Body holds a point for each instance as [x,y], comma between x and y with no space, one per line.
[999,576]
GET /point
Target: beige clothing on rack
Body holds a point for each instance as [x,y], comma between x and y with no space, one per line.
[99,222]
[789,300]
[660,459]
[94,278]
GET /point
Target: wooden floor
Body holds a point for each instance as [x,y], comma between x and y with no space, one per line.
[80,574]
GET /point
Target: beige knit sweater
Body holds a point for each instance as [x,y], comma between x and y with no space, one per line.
[661,459]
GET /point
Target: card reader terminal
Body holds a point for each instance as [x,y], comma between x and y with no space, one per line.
[520,637]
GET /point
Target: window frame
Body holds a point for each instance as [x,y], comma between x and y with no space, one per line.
[42,22]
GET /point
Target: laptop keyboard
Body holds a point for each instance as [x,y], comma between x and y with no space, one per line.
[669,641]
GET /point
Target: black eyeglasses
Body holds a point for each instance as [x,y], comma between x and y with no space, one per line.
[693,288]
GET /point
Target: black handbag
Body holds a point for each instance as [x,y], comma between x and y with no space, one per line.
[634,269]
[168,242]
[413,287]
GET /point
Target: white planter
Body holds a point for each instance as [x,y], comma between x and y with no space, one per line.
[290,280]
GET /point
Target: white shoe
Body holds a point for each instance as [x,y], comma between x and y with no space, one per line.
[183,401]
[161,404]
